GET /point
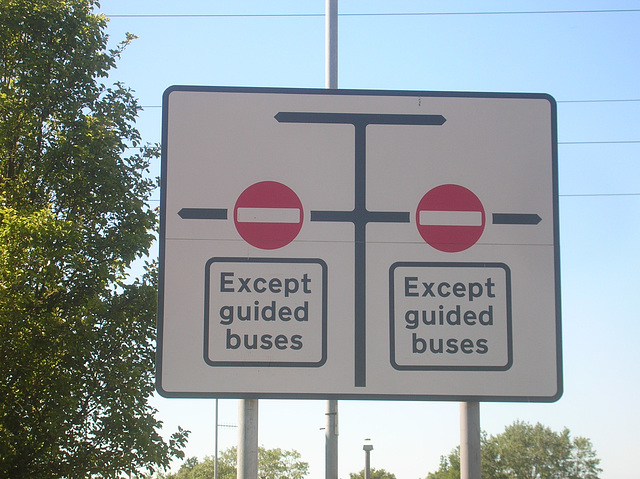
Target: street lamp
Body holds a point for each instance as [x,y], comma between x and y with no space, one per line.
[367,448]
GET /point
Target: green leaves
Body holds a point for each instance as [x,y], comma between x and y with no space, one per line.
[529,452]
[76,334]
[272,464]
[375,474]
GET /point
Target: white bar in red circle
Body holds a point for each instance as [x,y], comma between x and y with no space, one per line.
[268,215]
[450,218]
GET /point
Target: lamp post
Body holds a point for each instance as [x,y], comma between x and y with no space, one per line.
[367,448]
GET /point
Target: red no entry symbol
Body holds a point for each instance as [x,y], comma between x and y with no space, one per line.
[450,218]
[268,215]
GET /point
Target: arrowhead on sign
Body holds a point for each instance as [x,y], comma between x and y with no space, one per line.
[516,219]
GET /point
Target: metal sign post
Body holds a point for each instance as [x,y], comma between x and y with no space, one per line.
[331,82]
[470,457]
[248,439]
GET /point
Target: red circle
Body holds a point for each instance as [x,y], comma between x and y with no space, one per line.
[268,215]
[450,218]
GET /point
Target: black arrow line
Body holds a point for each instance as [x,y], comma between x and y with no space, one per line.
[516,219]
[203,213]
[368,216]
[364,118]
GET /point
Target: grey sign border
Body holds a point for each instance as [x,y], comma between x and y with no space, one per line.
[399,396]
[288,364]
[439,264]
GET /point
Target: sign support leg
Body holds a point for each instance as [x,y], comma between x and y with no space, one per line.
[248,439]
[470,460]
[331,439]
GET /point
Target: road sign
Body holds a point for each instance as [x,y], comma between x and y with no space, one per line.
[450,218]
[268,215]
[359,244]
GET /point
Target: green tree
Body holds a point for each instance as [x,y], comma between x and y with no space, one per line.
[191,468]
[272,464]
[375,474]
[449,466]
[527,451]
[76,333]
[279,464]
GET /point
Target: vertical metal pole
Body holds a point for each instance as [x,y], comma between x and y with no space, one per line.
[331,439]
[368,447]
[331,81]
[215,464]
[331,44]
[367,465]
[470,459]
[248,439]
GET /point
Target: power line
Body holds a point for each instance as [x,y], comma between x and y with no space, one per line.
[620,100]
[532,12]
[371,14]
[596,195]
[599,101]
[215,15]
[610,142]
[604,142]
[568,195]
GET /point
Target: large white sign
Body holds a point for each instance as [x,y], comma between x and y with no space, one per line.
[359,244]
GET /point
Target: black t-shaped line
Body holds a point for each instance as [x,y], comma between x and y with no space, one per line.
[360,216]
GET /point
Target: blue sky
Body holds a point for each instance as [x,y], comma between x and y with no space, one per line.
[588,61]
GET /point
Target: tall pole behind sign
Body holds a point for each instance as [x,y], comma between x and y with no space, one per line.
[331,81]
[331,44]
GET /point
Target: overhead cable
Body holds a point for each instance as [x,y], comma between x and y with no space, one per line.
[369,14]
